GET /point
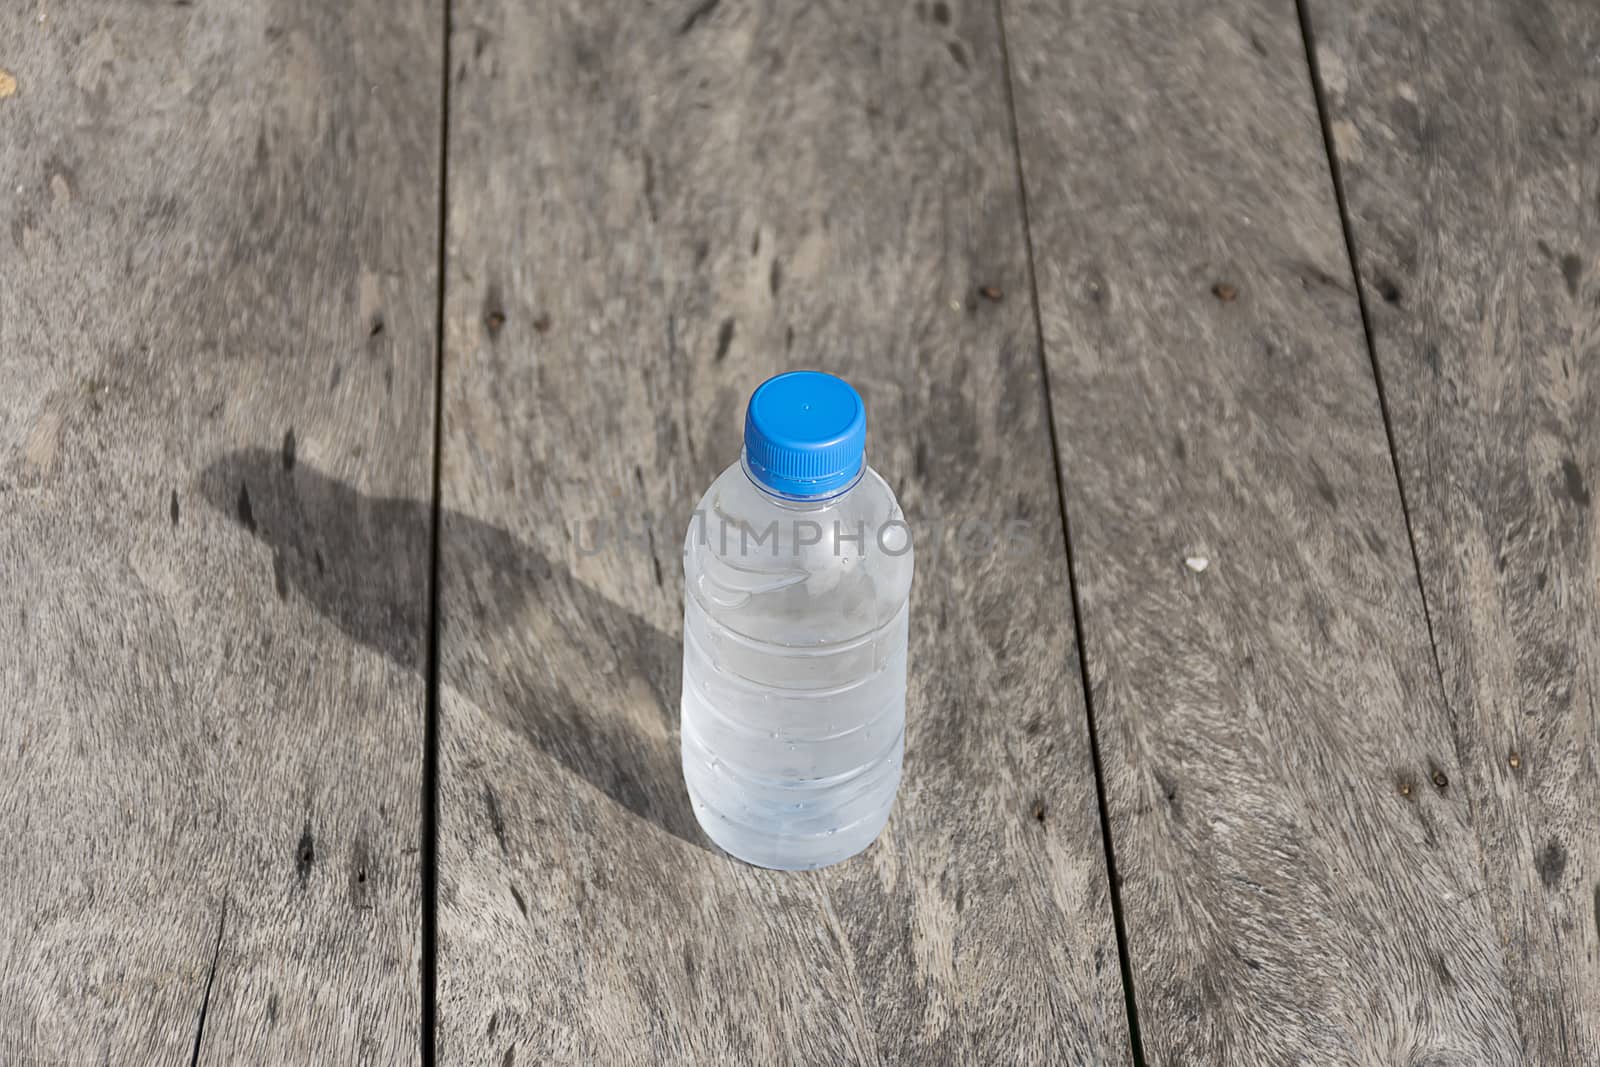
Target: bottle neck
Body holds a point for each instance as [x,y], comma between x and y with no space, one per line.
[800,503]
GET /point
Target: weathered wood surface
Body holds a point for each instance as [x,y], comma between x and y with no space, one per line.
[1301,882]
[217,248]
[1469,136]
[652,209]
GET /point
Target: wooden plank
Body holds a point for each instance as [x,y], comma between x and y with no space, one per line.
[1301,882]
[1467,135]
[217,250]
[652,209]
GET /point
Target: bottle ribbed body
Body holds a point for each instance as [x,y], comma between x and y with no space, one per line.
[796,622]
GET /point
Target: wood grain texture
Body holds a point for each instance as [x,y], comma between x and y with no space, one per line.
[217,241]
[653,208]
[1301,882]
[1469,136]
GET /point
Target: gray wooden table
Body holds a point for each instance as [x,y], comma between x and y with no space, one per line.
[360,364]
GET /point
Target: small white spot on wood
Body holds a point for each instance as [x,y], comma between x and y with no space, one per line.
[1198,564]
[369,297]
[1335,78]
[955,305]
[1346,140]
[39,450]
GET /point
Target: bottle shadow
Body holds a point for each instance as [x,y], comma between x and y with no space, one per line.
[519,634]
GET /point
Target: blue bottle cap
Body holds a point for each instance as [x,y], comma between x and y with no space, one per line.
[805,434]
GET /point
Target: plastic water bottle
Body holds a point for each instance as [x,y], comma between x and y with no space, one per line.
[797,592]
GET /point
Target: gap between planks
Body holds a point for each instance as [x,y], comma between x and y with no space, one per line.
[1114,882]
[428,975]
[1318,91]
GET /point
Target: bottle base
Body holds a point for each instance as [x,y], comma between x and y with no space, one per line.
[778,851]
